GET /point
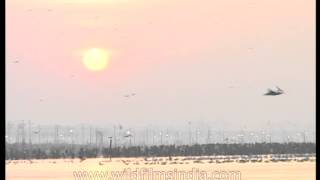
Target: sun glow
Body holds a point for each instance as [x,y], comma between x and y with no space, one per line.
[96,59]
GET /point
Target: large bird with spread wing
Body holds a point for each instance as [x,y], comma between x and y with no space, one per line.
[274,92]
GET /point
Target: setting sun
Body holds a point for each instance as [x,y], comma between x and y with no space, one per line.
[96,59]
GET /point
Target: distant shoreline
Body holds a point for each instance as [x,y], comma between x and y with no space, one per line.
[61,151]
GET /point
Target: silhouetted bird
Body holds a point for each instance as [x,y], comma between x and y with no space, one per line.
[129,95]
[274,93]
[250,49]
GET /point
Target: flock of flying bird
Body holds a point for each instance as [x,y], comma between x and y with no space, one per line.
[270,92]
[72,76]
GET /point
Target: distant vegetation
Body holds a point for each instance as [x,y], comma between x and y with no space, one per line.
[56,151]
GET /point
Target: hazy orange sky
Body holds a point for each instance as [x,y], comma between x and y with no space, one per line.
[206,61]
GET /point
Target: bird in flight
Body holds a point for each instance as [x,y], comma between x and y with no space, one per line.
[274,92]
[129,95]
[128,134]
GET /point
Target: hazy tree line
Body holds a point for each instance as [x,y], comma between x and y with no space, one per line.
[48,151]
